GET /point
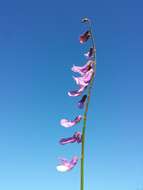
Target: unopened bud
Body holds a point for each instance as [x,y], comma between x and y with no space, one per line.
[83,20]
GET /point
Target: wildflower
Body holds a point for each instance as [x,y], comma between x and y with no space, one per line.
[84,37]
[75,93]
[90,53]
[75,138]
[66,165]
[83,69]
[82,102]
[83,82]
[66,123]
[85,79]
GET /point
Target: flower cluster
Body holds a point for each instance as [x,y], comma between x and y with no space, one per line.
[86,73]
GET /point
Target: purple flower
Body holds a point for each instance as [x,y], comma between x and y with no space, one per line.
[83,69]
[75,138]
[78,136]
[85,79]
[66,123]
[84,37]
[82,102]
[77,92]
[83,82]
[90,53]
[66,165]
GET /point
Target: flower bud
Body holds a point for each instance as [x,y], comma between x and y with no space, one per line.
[84,20]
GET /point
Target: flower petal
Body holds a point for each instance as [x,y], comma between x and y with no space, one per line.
[74,160]
[77,92]
[83,69]
[66,123]
[75,138]
[80,81]
[84,37]
[67,140]
[78,137]
[64,167]
[85,79]
[83,82]
[88,76]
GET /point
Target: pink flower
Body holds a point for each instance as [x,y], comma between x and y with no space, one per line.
[75,93]
[80,81]
[85,79]
[75,138]
[83,82]
[66,123]
[83,69]
[84,37]
[66,165]
[90,53]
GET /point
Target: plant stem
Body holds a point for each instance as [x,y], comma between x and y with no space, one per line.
[85,113]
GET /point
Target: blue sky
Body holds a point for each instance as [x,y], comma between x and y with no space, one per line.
[38,46]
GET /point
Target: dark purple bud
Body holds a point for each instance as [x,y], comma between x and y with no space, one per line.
[75,138]
[90,53]
[78,137]
[84,37]
[82,102]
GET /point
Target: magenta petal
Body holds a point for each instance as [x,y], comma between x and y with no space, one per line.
[64,141]
[78,137]
[66,123]
[74,160]
[75,138]
[65,165]
[63,160]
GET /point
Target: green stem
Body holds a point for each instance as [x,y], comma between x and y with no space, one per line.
[85,115]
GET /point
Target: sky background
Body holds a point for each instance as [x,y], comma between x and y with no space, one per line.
[39,43]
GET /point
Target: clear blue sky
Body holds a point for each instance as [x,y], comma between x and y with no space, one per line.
[38,46]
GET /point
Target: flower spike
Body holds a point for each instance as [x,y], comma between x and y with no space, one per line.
[75,138]
[84,37]
[85,82]
[66,165]
[66,123]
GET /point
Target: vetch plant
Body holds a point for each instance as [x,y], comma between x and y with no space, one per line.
[84,83]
